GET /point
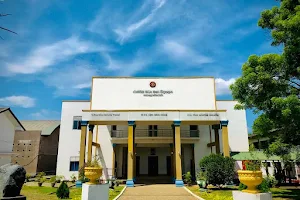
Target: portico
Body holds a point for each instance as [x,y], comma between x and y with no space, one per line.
[173,135]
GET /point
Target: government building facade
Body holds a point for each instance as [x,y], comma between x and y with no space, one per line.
[149,127]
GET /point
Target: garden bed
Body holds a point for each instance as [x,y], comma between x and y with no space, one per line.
[49,193]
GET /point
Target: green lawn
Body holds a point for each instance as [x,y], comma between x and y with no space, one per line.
[48,193]
[291,193]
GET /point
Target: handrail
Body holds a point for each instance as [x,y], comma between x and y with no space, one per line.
[155,133]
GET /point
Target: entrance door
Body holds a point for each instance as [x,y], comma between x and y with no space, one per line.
[169,165]
[137,165]
[153,165]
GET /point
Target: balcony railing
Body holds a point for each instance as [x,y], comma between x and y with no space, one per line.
[155,133]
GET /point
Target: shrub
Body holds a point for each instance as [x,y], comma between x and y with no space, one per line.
[219,169]
[264,186]
[242,187]
[188,178]
[63,191]
[272,182]
[73,178]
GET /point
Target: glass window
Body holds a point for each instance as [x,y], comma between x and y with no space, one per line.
[193,130]
[77,122]
[152,130]
[74,165]
[114,131]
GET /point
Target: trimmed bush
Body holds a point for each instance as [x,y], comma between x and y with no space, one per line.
[219,169]
[63,191]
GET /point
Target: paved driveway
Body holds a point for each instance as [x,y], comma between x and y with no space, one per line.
[155,192]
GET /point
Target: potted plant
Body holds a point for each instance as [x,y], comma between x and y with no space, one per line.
[251,175]
[188,178]
[41,180]
[53,181]
[93,170]
[73,178]
[201,179]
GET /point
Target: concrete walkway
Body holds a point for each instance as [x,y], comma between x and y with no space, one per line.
[155,192]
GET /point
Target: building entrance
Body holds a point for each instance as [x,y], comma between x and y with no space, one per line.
[153,165]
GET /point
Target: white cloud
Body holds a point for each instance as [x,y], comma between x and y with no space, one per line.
[126,32]
[47,55]
[222,86]
[18,101]
[45,114]
[71,80]
[127,67]
[182,52]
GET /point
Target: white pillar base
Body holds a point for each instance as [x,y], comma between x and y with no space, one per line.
[238,195]
[95,192]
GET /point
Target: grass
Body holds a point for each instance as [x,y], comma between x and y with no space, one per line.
[290,193]
[49,193]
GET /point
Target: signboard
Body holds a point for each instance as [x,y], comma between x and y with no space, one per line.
[154,116]
[105,116]
[202,116]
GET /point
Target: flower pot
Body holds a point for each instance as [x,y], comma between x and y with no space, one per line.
[251,179]
[52,184]
[93,173]
[40,184]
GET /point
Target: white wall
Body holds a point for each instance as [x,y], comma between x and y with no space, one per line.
[7,133]
[237,126]
[69,139]
[200,147]
[188,94]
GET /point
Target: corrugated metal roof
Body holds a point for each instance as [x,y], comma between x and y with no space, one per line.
[46,126]
[258,155]
[3,109]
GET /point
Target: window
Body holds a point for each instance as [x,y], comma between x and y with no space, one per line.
[268,164]
[74,163]
[114,131]
[74,166]
[77,122]
[193,130]
[152,131]
[256,145]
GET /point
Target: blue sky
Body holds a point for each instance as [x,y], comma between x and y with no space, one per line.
[61,44]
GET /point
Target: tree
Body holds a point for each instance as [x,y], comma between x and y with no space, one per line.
[5,29]
[219,169]
[270,83]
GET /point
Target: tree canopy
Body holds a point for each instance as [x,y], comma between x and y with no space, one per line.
[270,83]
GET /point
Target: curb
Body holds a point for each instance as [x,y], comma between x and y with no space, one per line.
[120,193]
[197,197]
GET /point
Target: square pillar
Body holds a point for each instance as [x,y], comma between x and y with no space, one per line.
[82,144]
[216,128]
[113,171]
[130,156]
[178,182]
[225,140]
[90,142]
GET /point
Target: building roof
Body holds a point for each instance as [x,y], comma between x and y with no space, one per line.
[17,122]
[258,155]
[46,126]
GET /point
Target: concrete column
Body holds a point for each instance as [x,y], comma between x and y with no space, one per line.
[217,138]
[173,155]
[130,156]
[225,140]
[114,160]
[178,182]
[82,144]
[90,141]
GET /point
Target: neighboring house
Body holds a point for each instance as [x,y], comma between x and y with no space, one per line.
[36,148]
[9,123]
[272,163]
[141,126]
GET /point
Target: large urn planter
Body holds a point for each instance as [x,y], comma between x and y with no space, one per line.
[251,179]
[92,173]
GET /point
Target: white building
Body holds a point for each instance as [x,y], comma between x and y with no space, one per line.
[9,123]
[141,127]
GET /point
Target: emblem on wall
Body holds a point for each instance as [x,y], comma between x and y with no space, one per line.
[152,84]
